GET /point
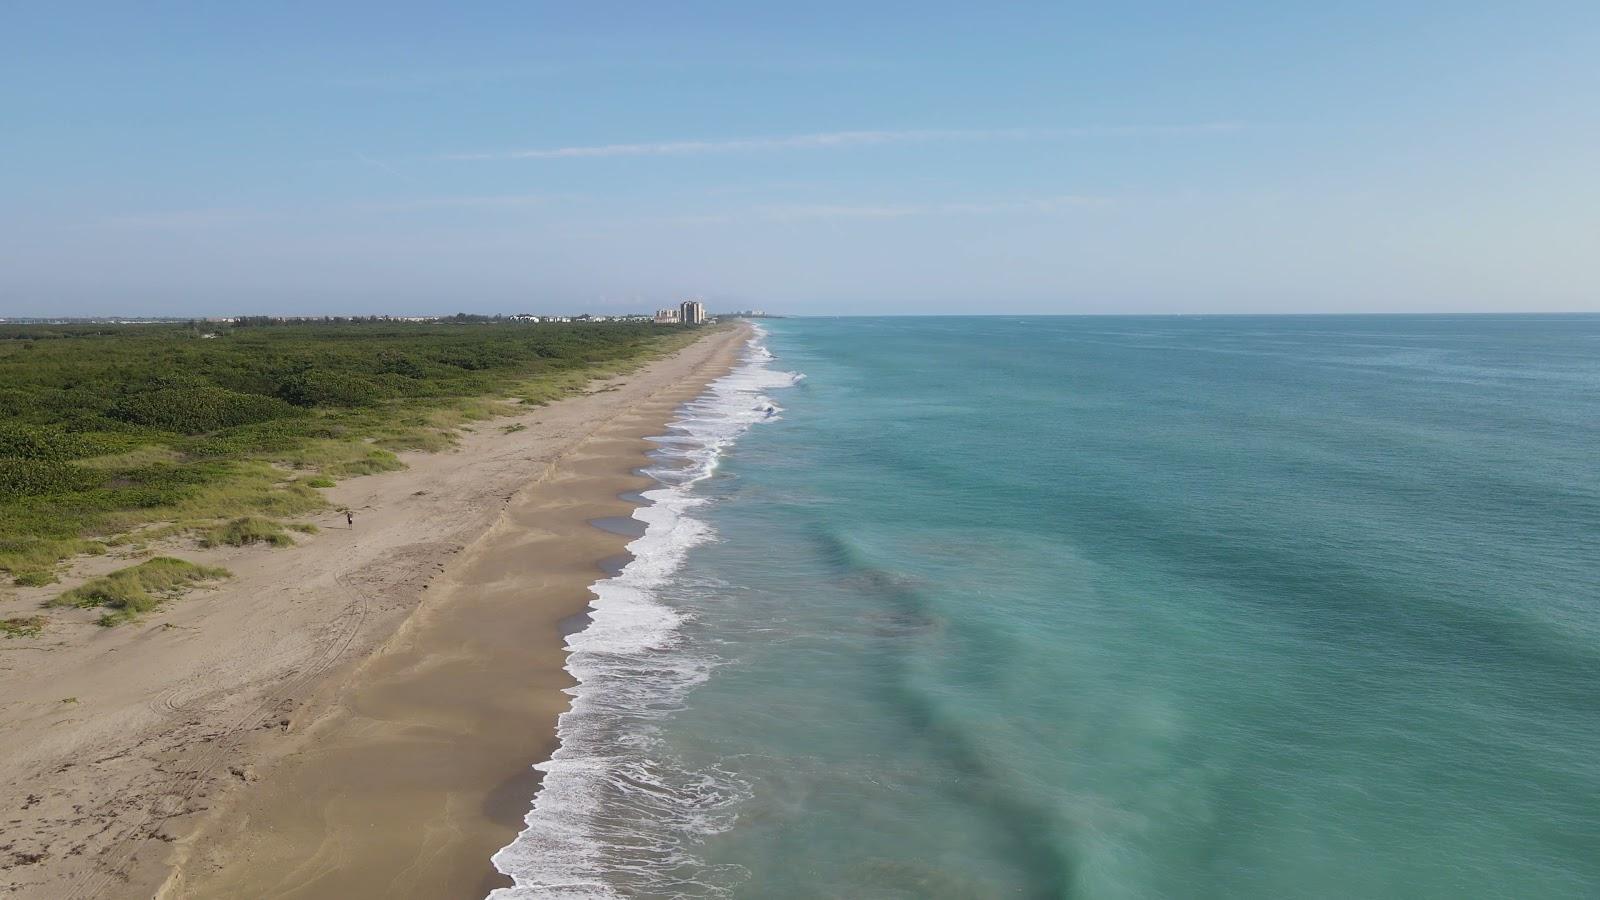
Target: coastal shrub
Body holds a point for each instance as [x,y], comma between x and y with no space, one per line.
[319,481]
[128,592]
[276,436]
[393,362]
[482,357]
[145,431]
[247,530]
[20,441]
[196,409]
[22,626]
[42,477]
[330,389]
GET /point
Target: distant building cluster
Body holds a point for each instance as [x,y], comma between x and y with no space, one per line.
[526,317]
[689,312]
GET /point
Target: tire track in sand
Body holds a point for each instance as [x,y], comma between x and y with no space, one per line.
[175,796]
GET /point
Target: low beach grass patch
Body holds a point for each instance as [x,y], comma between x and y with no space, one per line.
[128,592]
[341,458]
[372,462]
[22,626]
[427,440]
[34,578]
[26,557]
[245,531]
[142,536]
[464,411]
[133,459]
[555,386]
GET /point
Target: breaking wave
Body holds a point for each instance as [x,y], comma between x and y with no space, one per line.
[612,816]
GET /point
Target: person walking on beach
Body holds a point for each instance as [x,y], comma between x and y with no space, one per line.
[350,518]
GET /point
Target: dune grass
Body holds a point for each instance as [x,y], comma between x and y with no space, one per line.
[245,531]
[22,626]
[128,592]
[34,578]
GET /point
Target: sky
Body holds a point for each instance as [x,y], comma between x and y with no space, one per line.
[806,158]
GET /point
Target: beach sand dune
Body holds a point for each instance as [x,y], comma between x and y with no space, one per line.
[354,716]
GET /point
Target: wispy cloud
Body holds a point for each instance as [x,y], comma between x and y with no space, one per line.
[381,166]
[690,148]
[1049,204]
[1137,131]
[838,139]
[798,212]
[209,219]
[181,219]
[485,201]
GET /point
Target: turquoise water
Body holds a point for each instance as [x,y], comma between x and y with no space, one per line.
[1117,608]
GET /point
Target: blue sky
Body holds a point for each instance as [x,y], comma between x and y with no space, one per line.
[821,157]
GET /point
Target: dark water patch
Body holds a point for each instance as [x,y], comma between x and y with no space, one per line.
[627,526]
[574,624]
[613,565]
[905,626]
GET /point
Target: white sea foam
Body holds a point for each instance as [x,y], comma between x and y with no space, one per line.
[609,813]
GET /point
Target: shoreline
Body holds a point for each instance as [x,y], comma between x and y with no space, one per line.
[192,732]
[631,661]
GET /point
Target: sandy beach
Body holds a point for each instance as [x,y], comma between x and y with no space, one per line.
[354,716]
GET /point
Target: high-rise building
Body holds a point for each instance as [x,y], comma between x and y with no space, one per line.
[668,316]
[692,312]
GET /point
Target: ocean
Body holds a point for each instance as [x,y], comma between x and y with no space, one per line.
[1060,607]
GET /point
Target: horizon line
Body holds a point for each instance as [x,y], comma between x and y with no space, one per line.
[159,317]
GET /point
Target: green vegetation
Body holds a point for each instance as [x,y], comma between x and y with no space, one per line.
[247,530]
[136,589]
[128,434]
[34,578]
[22,626]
